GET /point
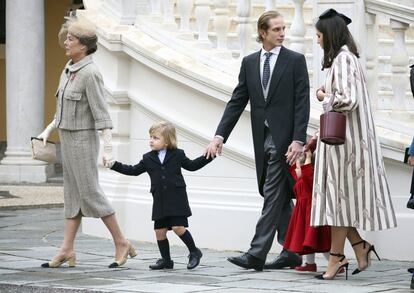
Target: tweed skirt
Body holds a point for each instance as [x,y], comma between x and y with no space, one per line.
[82,193]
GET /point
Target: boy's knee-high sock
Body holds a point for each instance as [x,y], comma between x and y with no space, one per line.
[164,247]
[188,240]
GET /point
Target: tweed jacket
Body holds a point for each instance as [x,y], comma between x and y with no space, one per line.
[80,97]
[168,187]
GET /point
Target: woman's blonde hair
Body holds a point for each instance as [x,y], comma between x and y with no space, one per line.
[83,30]
[167,131]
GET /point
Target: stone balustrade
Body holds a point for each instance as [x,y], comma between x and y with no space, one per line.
[399,14]
[219,32]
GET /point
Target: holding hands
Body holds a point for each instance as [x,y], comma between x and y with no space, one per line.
[215,147]
[107,159]
[295,149]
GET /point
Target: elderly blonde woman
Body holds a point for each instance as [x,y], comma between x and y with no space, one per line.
[81,111]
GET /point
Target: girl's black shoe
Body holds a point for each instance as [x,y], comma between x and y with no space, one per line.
[161,264]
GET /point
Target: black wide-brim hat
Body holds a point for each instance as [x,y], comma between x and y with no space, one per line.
[332,12]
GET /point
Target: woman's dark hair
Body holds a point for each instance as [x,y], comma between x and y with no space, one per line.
[335,35]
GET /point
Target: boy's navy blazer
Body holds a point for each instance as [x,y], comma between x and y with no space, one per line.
[168,187]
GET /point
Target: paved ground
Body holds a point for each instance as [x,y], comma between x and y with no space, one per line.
[29,196]
[29,237]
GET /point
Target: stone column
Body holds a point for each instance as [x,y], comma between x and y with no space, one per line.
[244,27]
[25,81]
[123,11]
[298,29]
[399,62]
[372,58]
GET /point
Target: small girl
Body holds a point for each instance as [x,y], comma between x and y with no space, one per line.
[170,207]
[301,237]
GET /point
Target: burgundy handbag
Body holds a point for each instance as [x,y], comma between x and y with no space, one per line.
[332,128]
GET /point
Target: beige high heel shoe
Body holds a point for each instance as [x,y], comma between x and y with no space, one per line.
[57,263]
[130,251]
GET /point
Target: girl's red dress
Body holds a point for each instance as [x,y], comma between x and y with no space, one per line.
[301,237]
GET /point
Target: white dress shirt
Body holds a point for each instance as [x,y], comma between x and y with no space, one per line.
[272,61]
[161,155]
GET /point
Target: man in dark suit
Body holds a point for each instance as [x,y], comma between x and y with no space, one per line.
[275,81]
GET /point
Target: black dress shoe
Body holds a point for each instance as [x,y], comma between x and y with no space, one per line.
[247,261]
[410,203]
[284,260]
[412,282]
[411,271]
[161,264]
[194,259]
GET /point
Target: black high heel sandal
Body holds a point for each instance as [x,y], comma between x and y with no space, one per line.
[339,267]
[367,256]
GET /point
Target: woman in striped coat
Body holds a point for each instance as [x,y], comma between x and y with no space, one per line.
[350,185]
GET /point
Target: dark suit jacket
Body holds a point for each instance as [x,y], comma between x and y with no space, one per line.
[168,187]
[412,78]
[286,108]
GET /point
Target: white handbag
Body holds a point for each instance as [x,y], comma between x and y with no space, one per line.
[46,153]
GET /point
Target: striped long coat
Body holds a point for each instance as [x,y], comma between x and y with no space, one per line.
[350,184]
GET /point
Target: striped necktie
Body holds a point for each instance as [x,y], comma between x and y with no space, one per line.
[266,70]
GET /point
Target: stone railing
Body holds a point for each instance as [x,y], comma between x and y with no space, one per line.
[214,32]
[398,15]
[219,32]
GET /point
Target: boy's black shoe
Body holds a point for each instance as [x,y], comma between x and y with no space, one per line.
[161,264]
[194,259]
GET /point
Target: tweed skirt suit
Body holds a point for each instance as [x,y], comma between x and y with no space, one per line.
[350,185]
[81,110]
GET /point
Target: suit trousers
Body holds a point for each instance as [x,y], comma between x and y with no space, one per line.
[277,204]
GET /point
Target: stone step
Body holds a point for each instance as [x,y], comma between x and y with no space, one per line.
[56,179]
